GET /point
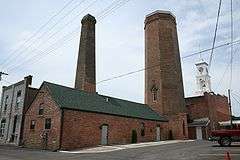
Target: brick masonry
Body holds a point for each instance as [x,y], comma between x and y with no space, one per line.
[86,72]
[210,105]
[81,129]
[164,74]
[35,138]
[85,129]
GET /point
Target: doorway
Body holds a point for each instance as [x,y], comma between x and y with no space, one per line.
[158,133]
[104,135]
[199,133]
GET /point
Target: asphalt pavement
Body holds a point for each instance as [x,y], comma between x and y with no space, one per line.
[189,150]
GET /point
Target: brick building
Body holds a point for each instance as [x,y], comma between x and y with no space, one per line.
[207,109]
[205,112]
[163,76]
[63,118]
[14,103]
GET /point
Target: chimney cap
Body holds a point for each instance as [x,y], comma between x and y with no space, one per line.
[161,12]
[88,18]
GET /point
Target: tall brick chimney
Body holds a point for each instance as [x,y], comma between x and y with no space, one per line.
[86,74]
[163,78]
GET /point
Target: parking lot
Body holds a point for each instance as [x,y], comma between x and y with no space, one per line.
[190,150]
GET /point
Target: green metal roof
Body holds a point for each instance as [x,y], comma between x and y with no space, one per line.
[70,98]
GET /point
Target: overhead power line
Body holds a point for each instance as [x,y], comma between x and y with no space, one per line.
[6,81]
[45,52]
[45,33]
[224,73]
[231,57]
[64,26]
[209,49]
[111,9]
[143,69]
[36,33]
[215,35]
[236,99]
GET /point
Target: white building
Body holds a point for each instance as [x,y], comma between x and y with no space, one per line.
[203,78]
[14,102]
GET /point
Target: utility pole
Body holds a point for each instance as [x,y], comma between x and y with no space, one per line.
[230,107]
[2,73]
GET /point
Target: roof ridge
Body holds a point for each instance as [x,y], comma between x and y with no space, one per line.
[70,88]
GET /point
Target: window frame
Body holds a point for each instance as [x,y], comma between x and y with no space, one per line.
[154,96]
[18,98]
[6,103]
[41,110]
[2,127]
[47,124]
[32,125]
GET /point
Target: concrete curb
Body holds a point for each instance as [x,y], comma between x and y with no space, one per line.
[104,149]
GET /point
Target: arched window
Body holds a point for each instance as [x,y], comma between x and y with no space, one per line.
[154,95]
[2,127]
[154,91]
[142,129]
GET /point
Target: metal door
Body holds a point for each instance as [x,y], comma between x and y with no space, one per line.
[158,134]
[104,136]
[199,133]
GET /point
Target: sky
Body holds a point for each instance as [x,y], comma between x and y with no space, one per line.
[50,55]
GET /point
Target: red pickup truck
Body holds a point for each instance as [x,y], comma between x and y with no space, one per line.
[225,136]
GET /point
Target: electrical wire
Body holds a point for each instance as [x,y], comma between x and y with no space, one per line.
[215,35]
[36,33]
[69,34]
[231,59]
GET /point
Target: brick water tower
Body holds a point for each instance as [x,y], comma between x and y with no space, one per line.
[163,76]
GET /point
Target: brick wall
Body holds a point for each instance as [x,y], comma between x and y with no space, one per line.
[34,138]
[83,129]
[210,105]
[197,107]
[162,51]
[178,126]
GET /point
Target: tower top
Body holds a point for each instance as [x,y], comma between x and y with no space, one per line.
[160,14]
[201,62]
[203,78]
[88,18]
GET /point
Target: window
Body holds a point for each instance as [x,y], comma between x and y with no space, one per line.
[40,111]
[6,103]
[154,93]
[48,123]
[2,127]
[32,125]
[142,129]
[18,99]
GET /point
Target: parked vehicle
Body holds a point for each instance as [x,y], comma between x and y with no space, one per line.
[225,137]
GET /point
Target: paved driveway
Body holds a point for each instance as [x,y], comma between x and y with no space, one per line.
[197,150]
